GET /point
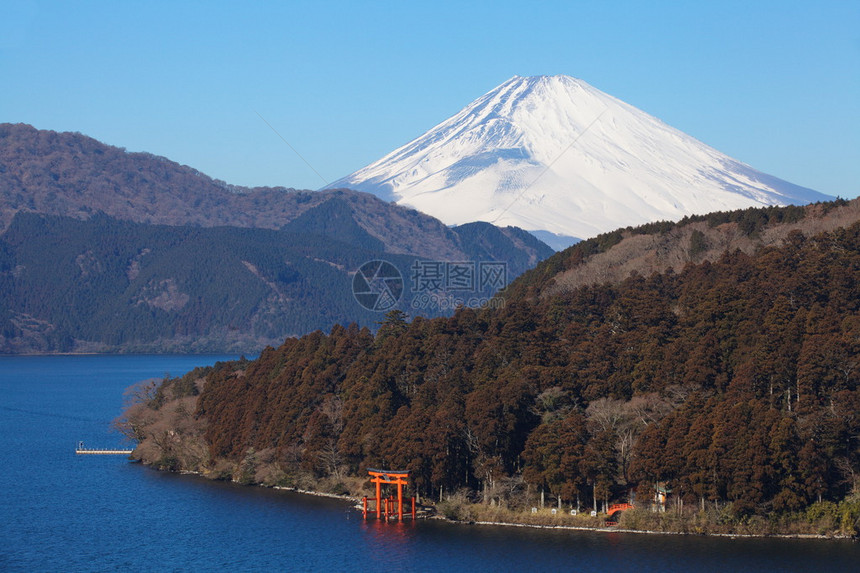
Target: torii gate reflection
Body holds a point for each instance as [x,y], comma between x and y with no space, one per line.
[380,477]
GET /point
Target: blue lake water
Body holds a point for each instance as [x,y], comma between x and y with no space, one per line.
[62,512]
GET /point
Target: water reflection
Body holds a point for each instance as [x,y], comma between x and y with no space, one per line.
[389,543]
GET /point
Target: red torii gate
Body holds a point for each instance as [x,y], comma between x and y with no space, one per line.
[380,477]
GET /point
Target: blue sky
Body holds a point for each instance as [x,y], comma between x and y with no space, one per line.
[773,84]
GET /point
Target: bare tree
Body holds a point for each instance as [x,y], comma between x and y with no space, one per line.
[626,420]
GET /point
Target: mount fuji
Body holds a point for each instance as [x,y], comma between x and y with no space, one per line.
[566,161]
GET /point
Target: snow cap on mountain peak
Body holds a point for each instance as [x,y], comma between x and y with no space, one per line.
[553,153]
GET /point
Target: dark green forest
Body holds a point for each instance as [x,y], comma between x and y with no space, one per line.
[734,383]
[105,285]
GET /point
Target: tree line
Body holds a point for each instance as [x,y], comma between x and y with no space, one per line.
[734,383]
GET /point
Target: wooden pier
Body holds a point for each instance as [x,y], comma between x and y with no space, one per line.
[104,452]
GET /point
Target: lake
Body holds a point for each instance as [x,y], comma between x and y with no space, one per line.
[63,512]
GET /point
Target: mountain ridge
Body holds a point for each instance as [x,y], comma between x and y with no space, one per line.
[70,174]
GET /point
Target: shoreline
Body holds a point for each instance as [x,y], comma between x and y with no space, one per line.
[355,503]
[814,536]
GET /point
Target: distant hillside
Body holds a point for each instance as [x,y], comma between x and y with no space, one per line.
[70,174]
[104,285]
[75,175]
[659,247]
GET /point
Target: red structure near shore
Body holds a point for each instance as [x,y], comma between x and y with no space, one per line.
[385,506]
[614,510]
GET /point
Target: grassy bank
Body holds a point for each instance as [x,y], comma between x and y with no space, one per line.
[825,519]
[822,520]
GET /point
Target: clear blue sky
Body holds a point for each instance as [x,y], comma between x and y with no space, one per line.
[773,84]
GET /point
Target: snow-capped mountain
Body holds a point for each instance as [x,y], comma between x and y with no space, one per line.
[554,155]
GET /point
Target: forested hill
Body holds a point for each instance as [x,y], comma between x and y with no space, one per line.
[734,382]
[661,246]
